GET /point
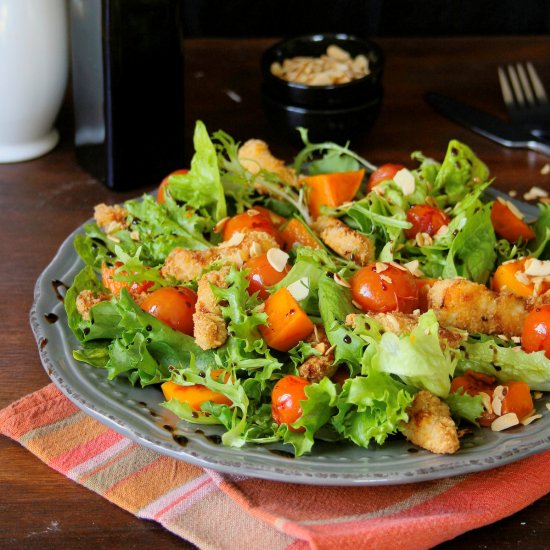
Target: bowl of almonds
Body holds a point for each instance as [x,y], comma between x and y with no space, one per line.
[330,84]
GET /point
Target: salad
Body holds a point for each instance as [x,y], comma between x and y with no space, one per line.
[324,300]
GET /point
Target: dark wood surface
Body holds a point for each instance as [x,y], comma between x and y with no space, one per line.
[45,199]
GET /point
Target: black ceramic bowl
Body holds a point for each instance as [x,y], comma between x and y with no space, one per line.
[336,112]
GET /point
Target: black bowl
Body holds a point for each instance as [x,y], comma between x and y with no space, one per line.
[339,125]
[356,92]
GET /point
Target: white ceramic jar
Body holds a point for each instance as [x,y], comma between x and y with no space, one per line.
[33,76]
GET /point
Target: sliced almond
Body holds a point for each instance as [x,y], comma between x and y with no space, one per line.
[486,400]
[442,231]
[113,238]
[386,279]
[277,259]
[504,422]
[134,235]
[356,304]
[235,240]
[498,397]
[548,406]
[535,193]
[527,420]
[321,347]
[545,169]
[398,266]
[512,207]
[513,193]
[413,268]
[515,339]
[537,268]
[330,350]
[380,267]
[423,239]
[255,249]
[253,212]
[299,289]
[218,228]
[341,281]
[537,395]
[405,179]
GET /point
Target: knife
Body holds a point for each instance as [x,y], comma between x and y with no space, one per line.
[487,125]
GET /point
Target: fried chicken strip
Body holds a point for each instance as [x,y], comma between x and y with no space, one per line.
[254,155]
[473,307]
[316,367]
[209,328]
[430,425]
[404,323]
[345,241]
[186,265]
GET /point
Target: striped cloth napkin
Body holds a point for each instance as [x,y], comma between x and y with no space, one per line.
[200,504]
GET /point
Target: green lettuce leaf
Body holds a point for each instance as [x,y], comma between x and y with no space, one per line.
[464,406]
[371,408]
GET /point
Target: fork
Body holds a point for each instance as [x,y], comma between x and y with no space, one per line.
[525,97]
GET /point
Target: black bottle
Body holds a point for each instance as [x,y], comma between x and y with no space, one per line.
[127,86]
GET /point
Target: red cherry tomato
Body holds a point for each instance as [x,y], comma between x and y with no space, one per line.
[162,187]
[393,289]
[173,306]
[285,400]
[425,219]
[252,220]
[262,275]
[384,173]
[536,331]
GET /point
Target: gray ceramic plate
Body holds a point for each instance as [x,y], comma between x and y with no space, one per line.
[134,412]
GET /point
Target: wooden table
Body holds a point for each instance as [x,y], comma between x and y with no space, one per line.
[45,199]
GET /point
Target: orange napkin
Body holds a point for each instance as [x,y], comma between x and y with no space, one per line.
[201,505]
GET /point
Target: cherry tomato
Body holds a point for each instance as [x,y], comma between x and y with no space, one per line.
[474,382]
[262,275]
[275,219]
[252,220]
[425,219]
[285,400]
[108,281]
[384,173]
[173,306]
[393,289]
[162,187]
[536,331]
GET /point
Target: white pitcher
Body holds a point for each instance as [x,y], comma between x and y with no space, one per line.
[33,76]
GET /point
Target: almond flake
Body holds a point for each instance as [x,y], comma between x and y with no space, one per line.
[219,226]
[527,420]
[386,279]
[277,259]
[512,207]
[504,422]
[393,323]
[535,193]
[486,400]
[299,289]
[255,249]
[537,268]
[405,180]
[537,394]
[379,267]
[316,333]
[398,266]
[545,169]
[113,238]
[329,350]
[516,339]
[498,397]
[413,268]
[134,235]
[253,212]
[341,281]
[321,347]
[513,193]
[548,406]
[259,308]
[423,239]
[235,240]
[358,306]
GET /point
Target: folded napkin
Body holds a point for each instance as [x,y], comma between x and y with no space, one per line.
[200,504]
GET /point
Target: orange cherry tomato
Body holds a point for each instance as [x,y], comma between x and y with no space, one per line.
[517,399]
[196,394]
[285,400]
[393,289]
[275,219]
[425,219]
[162,187]
[173,306]
[108,281]
[252,220]
[536,331]
[474,382]
[262,275]
[507,225]
[384,173]
[504,279]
